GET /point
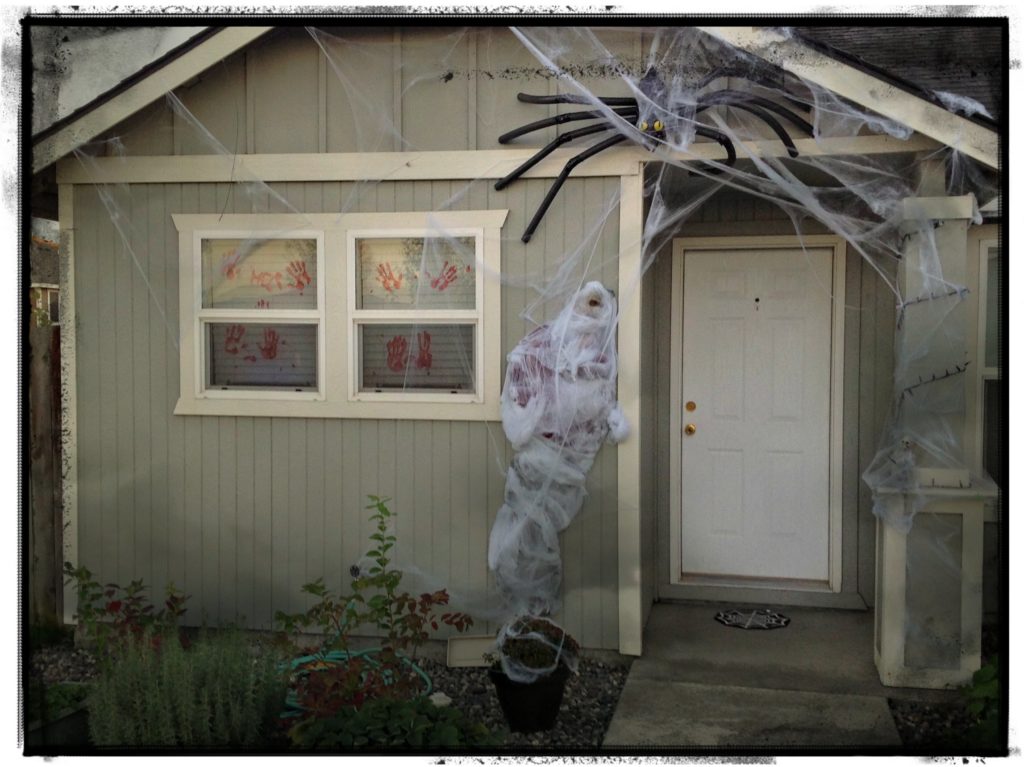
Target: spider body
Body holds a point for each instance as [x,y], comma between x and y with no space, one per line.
[649,119]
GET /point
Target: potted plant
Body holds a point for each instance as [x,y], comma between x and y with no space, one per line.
[534,659]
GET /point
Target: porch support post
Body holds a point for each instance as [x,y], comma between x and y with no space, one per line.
[630,262]
[930,506]
[68,395]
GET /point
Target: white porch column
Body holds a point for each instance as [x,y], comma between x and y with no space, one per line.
[930,507]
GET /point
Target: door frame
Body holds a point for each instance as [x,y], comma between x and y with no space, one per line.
[679,246]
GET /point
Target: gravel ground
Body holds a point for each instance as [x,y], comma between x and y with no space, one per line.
[587,706]
[935,726]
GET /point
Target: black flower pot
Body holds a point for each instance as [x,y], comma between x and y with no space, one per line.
[533,706]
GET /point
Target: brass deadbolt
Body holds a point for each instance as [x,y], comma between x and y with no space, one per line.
[691,406]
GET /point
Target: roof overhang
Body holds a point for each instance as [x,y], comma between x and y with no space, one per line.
[106,112]
[791,55]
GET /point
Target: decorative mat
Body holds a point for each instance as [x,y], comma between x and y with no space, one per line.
[752,619]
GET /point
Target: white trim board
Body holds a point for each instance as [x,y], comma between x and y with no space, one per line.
[162,81]
[679,246]
[631,608]
[452,165]
[976,141]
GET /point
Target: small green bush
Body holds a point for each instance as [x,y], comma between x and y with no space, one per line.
[218,693]
[401,724]
[983,697]
[44,702]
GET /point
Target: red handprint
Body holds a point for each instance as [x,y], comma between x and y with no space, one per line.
[398,353]
[424,359]
[229,264]
[268,349]
[387,278]
[266,280]
[299,276]
[448,275]
[232,337]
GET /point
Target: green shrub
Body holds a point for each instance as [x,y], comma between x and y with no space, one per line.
[43,702]
[983,703]
[218,693]
[415,724]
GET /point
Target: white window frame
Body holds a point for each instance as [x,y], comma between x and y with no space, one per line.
[360,317]
[204,316]
[337,340]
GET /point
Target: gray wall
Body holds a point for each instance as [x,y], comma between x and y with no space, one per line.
[867,386]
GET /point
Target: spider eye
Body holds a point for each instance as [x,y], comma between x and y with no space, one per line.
[643,125]
[658,125]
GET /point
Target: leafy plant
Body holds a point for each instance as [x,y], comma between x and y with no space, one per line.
[536,643]
[984,698]
[411,724]
[217,693]
[111,616]
[43,702]
[374,600]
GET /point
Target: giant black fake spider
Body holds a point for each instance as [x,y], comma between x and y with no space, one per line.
[653,117]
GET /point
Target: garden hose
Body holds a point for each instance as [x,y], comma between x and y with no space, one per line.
[338,657]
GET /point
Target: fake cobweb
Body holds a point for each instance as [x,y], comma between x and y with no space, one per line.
[730,125]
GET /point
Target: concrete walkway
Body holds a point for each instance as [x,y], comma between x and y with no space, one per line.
[811,684]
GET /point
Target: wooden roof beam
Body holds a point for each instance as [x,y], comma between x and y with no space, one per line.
[975,141]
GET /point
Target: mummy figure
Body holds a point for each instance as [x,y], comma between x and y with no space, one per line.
[557,406]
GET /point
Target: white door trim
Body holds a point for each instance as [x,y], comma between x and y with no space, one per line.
[679,247]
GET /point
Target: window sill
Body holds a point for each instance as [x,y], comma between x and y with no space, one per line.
[309,407]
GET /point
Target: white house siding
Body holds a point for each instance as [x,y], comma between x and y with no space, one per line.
[866,393]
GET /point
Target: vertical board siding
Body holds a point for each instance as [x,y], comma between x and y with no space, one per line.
[240,512]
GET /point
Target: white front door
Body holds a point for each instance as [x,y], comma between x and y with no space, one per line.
[756,384]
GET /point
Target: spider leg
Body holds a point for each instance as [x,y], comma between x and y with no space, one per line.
[739,97]
[721,138]
[546,202]
[569,98]
[560,119]
[565,138]
[768,120]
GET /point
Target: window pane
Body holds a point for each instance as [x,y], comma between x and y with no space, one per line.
[259,274]
[416,273]
[993,455]
[993,310]
[245,354]
[409,357]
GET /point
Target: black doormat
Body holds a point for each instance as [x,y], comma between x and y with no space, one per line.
[752,619]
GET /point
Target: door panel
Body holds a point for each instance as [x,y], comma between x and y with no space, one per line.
[756,363]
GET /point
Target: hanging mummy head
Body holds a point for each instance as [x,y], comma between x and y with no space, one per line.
[596,302]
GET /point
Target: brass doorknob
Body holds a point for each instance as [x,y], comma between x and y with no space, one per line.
[690,429]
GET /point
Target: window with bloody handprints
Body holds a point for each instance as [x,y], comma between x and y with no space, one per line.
[268,349]
[266,280]
[233,337]
[398,353]
[387,278]
[448,275]
[298,275]
[229,263]
[424,359]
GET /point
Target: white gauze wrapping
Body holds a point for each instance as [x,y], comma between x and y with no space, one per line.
[557,407]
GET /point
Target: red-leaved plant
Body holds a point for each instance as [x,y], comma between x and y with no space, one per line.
[110,616]
[403,620]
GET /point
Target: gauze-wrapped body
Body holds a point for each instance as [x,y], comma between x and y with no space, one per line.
[557,406]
